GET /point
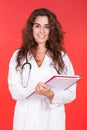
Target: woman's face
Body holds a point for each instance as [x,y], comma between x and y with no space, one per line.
[41,29]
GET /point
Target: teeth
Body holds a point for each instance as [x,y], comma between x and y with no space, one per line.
[41,36]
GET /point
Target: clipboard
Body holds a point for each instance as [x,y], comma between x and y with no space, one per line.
[62,82]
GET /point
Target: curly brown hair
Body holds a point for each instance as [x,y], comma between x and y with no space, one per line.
[54,44]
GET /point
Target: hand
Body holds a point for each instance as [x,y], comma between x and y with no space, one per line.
[42,89]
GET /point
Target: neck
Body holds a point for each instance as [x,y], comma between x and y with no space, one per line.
[41,49]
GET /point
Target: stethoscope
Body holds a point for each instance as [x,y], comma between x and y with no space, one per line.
[28,64]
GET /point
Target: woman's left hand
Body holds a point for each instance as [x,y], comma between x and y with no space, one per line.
[42,89]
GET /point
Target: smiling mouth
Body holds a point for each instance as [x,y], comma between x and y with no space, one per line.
[41,36]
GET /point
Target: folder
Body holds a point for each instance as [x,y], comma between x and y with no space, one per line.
[62,82]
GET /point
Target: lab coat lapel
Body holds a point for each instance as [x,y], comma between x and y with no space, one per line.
[47,60]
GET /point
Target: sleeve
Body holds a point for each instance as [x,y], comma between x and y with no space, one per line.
[68,95]
[18,92]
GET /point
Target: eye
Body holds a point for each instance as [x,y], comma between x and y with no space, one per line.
[47,26]
[36,25]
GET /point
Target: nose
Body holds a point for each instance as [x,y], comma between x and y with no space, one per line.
[41,29]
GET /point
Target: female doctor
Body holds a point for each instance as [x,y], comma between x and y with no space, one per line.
[40,57]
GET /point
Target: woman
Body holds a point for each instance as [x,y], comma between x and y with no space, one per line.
[40,57]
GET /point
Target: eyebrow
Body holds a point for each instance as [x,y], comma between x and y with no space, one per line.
[40,24]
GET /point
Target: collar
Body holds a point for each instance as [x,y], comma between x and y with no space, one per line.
[47,60]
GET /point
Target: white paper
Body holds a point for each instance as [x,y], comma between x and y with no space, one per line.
[62,82]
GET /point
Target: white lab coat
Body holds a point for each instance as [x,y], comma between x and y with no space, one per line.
[37,112]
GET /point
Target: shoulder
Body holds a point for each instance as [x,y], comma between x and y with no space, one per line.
[15,53]
[68,64]
[14,56]
[65,57]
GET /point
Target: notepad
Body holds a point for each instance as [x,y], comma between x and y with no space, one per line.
[62,82]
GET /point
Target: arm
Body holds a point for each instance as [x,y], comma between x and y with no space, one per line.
[65,96]
[18,92]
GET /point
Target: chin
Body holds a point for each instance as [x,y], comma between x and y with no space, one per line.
[41,41]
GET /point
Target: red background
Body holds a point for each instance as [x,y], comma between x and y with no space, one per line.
[73,17]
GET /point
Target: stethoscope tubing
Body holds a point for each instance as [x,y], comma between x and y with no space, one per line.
[22,68]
